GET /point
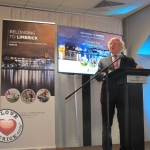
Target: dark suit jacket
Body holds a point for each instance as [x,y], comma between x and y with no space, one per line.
[113,89]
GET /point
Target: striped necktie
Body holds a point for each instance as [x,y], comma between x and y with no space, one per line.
[115,63]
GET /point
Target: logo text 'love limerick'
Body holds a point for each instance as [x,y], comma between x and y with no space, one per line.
[11,125]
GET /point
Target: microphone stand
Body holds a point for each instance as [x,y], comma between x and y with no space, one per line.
[107,109]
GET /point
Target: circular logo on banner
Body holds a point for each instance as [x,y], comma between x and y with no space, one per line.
[11,125]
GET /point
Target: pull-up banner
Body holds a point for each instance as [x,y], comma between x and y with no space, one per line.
[27,105]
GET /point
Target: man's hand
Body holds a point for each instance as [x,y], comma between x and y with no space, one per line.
[139,67]
[108,72]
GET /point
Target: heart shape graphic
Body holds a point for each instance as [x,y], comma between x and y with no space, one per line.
[7,127]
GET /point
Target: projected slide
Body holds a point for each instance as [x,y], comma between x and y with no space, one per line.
[79,50]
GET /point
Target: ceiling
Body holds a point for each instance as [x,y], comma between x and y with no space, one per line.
[110,8]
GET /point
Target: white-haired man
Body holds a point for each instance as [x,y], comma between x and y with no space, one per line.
[115,46]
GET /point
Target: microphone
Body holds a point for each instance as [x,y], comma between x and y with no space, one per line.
[119,56]
[122,54]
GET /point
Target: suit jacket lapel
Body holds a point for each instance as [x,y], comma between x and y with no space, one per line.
[109,61]
[122,61]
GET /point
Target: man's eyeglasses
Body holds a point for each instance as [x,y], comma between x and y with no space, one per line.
[114,44]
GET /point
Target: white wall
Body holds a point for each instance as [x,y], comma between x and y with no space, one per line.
[136,29]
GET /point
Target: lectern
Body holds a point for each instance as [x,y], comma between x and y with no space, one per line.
[131,81]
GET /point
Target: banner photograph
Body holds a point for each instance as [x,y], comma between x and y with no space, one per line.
[27,56]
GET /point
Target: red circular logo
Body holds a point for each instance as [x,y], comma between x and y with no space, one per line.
[11,125]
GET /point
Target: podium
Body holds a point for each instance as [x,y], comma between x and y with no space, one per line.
[131,81]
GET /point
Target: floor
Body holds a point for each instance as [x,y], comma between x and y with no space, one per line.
[115,147]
